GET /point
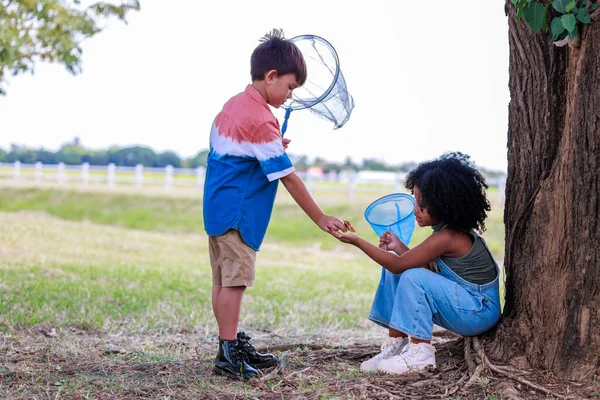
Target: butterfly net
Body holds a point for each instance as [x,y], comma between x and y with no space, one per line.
[325,92]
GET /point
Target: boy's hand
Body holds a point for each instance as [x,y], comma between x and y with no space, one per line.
[285,143]
[331,224]
[389,241]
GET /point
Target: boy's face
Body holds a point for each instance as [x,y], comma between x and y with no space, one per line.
[279,87]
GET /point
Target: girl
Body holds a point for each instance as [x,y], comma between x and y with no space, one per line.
[451,279]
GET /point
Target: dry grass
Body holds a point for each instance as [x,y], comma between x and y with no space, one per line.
[104,312]
[76,365]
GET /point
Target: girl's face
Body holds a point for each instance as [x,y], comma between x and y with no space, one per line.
[422,216]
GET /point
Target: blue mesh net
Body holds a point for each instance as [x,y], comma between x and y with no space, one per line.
[325,92]
[394,213]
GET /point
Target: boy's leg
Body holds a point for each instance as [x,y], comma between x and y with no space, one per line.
[232,263]
[216,289]
[227,312]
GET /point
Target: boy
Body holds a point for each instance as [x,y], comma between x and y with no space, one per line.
[246,159]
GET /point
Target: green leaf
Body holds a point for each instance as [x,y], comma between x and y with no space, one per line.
[561,5]
[574,33]
[568,21]
[49,31]
[520,7]
[570,6]
[584,16]
[535,15]
[594,6]
[514,2]
[556,28]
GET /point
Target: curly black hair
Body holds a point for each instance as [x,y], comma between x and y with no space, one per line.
[452,191]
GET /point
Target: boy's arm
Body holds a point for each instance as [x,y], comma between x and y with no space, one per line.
[301,195]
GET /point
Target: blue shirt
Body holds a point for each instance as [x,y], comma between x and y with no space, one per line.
[245,161]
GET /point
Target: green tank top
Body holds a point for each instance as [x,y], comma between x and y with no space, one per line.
[477,266]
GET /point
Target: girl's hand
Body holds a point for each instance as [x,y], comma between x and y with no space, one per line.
[389,241]
[349,237]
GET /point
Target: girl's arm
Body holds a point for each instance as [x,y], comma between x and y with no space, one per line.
[431,248]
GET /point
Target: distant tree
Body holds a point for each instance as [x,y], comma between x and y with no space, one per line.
[300,162]
[407,166]
[49,30]
[20,153]
[168,158]
[199,160]
[2,155]
[349,164]
[132,156]
[99,157]
[328,167]
[46,157]
[319,162]
[372,164]
[71,154]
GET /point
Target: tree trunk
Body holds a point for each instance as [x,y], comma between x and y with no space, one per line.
[552,214]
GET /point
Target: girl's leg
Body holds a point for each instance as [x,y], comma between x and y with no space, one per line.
[412,314]
[383,304]
[424,298]
[394,333]
[391,347]
[381,314]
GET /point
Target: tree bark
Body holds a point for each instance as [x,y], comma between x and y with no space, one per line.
[552,212]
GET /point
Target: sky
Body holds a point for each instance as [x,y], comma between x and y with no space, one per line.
[425,77]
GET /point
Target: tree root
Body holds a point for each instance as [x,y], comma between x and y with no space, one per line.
[477,365]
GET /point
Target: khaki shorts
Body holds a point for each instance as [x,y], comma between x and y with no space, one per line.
[232,261]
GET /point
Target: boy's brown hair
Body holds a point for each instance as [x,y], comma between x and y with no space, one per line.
[277,53]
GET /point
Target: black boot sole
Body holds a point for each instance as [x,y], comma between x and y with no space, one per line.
[265,365]
[227,374]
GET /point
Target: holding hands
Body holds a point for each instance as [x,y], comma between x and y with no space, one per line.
[331,224]
[388,241]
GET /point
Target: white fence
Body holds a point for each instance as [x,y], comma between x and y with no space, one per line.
[110,175]
[140,177]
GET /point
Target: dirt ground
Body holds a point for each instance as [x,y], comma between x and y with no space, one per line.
[43,363]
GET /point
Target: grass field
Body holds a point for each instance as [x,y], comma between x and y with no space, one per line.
[123,280]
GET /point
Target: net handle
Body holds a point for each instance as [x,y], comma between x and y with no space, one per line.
[288,111]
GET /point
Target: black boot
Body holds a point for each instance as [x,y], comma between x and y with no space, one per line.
[253,357]
[230,361]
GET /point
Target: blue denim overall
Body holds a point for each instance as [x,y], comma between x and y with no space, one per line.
[416,299]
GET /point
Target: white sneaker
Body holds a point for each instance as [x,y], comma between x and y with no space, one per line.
[415,357]
[391,347]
